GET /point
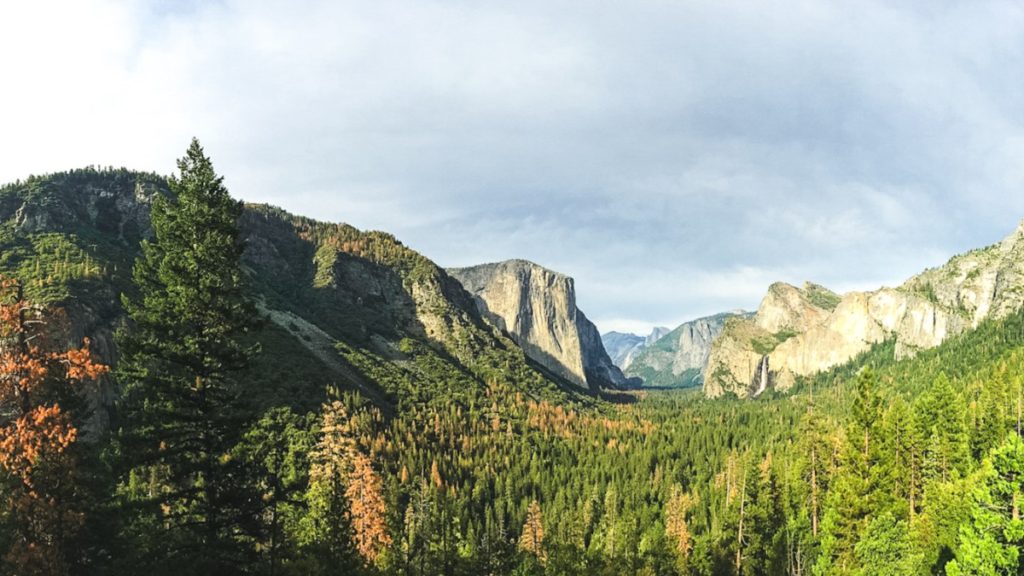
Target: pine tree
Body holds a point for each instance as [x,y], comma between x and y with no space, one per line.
[814,463]
[531,539]
[676,527]
[886,548]
[328,533]
[904,454]
[941,415]
[856,487]
[364,493]
[182,403]
[416,529]
[763,551]
[991,542]
[275,454]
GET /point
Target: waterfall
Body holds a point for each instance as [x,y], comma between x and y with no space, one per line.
[761,377]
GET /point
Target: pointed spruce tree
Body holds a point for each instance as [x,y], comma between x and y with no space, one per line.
[182,409]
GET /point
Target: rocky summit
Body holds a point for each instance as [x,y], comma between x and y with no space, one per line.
[537,308]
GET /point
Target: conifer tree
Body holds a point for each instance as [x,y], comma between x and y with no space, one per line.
[182,407]
[886,548]
[855,488]
[275,454]
[991,541]
[763,546]
[366,501]
[903,461]
[676,526]
[328,535]
[531,539]
[941,415]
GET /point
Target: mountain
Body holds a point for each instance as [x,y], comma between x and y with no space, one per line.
[537,307]
[459,431]
[343,307]
[800,331]
[622,347]
[678,359]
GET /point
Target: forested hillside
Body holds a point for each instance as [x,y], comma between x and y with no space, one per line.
[194,386]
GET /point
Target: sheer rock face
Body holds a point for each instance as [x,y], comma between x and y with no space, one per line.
[680,357]
[624,348]
[537,307]
[802,332]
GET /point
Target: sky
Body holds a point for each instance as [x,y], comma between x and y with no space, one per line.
[674,157]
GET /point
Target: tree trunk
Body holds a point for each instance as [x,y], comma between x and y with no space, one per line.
[739,532]
[814,491]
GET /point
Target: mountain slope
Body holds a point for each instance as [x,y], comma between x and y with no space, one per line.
[343,307]
[802,331]
[679,358]
[623,348]
[537,307]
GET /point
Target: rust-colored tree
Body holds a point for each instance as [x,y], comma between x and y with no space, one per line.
[676,527]
[531,540]
[364,492]
[36,436]
[346,501]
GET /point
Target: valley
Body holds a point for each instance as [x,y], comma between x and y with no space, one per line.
[389,416]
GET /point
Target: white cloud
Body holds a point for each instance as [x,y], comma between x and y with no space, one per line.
[675,157]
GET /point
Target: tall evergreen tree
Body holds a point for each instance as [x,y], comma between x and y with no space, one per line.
[182,406]
[990,543]
[855,490]
[903,450]
[275,452]
[941,412]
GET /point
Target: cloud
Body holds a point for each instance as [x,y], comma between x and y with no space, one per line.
[674,157]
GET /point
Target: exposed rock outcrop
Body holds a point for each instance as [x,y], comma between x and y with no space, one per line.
[355,310]
[679,358]
[537,307]
[623,348]
[803,331]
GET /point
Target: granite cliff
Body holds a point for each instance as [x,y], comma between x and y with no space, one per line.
[800,331]
[537,308]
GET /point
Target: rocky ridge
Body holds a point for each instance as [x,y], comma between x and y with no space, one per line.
[801,331]
[344,308]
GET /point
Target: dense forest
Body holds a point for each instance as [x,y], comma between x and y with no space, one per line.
[224,453]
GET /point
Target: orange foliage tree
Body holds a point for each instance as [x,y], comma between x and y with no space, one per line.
[364,492]
[340,468]
[36,434]
[531,540]
[676,527]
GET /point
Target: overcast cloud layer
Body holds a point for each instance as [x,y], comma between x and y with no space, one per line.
[674,157]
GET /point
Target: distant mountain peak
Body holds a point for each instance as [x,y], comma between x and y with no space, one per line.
[678,357]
